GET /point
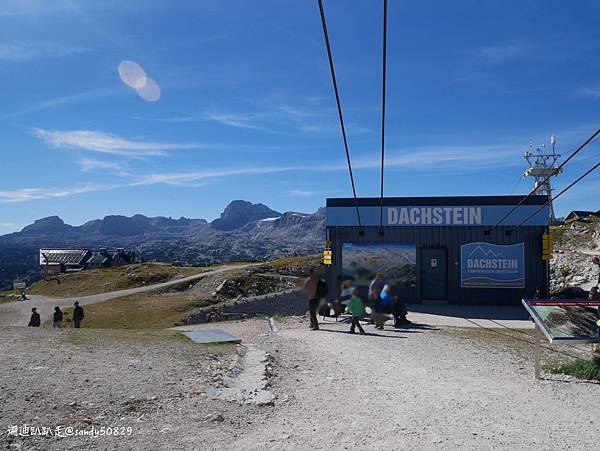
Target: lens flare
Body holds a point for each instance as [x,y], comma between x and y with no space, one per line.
[150,91]
[132,74]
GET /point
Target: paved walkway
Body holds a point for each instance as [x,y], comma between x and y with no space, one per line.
[492,316]
[18,313]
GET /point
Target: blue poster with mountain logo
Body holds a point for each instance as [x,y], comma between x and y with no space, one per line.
[485,265]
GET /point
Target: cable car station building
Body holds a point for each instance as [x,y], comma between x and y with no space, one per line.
[441,249]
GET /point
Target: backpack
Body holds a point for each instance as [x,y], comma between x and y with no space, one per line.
[321,289]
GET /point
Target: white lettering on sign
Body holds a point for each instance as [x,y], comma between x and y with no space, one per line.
[434,216]
[492,263]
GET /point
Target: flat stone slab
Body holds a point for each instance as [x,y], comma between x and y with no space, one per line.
[212,336]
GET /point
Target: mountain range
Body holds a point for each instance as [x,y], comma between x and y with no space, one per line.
[244,232]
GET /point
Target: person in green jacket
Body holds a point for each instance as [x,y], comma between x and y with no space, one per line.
[356,307]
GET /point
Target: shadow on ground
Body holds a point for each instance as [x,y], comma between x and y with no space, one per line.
[498,312]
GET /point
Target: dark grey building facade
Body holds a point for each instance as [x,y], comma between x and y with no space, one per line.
[441,249]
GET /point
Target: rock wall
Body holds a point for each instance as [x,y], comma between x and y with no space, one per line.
[575,244]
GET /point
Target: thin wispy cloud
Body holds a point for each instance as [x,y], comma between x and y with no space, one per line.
[26,51]
[237,120]
[29,194]
[37,7]
[498,54]
[282,119]
[58,102]
[188,178]
[107,143]
[594,93]
[185,179]
[484,60]
[438,159]
[301,193]
[90,165]
[443,158]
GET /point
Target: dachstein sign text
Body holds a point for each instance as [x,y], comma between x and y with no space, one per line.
[434,216]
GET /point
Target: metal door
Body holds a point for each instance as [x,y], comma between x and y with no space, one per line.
[434,275]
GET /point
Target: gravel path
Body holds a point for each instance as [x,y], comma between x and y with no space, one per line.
[18,313]
[413,389]
[418,388]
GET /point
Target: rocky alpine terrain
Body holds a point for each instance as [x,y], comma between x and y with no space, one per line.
[244,232]
[575,244]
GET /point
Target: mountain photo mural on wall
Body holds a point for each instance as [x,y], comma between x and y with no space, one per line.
[396,262]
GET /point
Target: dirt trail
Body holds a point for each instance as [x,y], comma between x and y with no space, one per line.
[17,313]
[412,389]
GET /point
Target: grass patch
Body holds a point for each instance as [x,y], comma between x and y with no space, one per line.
[138,311]
[7,296]
[98,337]
[280,318]
[284,263]
[103,280]
[586,369]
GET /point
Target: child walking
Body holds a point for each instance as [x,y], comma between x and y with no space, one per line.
[356,307]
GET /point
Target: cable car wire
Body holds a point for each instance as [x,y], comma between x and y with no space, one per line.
[559,194]
[339,106]
[556,171]
[383,78]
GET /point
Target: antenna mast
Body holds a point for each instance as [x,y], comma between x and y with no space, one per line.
[542,165]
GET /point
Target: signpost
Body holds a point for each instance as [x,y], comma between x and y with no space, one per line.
[20,287]
[572,320]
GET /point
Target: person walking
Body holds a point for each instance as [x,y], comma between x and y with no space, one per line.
[356,307]
[57,317]
[310,288]
[35,318]
[596,262]
[77,315]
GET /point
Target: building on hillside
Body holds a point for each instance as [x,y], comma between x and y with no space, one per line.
[99,260]
[59,261]
[441,249]
[122,257]
[578,214]
[107,258]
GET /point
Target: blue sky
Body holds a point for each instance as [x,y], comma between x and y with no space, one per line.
[246,109]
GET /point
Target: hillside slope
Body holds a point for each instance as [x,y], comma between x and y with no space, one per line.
[96,281]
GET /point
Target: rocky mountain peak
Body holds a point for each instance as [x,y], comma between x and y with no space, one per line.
[239,213]
[51,224]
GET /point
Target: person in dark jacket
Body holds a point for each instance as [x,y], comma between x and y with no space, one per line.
[77,315]
[310,288]
[57,318]
[35,318]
